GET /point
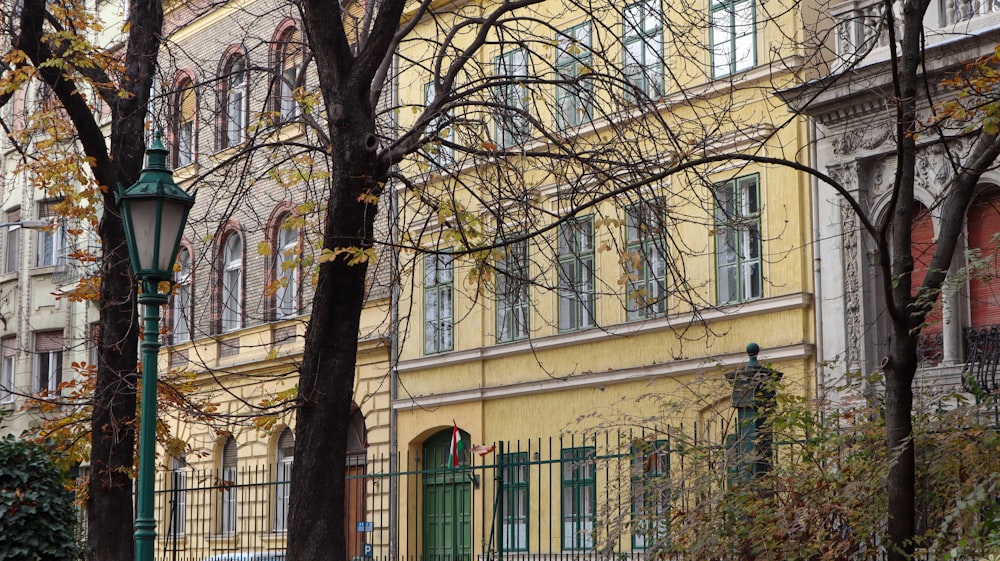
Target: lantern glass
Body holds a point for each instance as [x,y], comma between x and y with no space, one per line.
[156,228]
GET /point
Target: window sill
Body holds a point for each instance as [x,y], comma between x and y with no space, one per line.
[222,542]
[186,171]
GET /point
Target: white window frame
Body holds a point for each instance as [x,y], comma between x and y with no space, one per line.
[47,369]
[574,57]
[236,102]
[576,274]
[231,317]
[227,510]
[513,297]
[442,130]
[51,241]
[178,498]
[289,59]
[733,36]
[511,96]
[8,366]
[646,259]
[12,243]
[184,144]
[738,246]
[286,272]
[284,461]
[438,303]
[642,52]
[182,301]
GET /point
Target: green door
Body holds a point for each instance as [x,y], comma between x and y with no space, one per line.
[447,501]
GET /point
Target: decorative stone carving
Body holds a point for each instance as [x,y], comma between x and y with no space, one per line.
[847,174]
[865,137]
[851,238]
[933,168]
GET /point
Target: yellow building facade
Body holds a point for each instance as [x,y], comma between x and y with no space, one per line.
[565,314]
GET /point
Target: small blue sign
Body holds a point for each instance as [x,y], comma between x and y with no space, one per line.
[366,549]
[365,526]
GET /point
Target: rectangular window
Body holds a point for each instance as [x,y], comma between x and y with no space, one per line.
[512,293]
[51,240]
[180,314]
[579,495]
[737,240]
[178,498]
[8,361]
[733,37]
[48,362]
[646,259]
[186,109]
[290,59]
[282,489]
[438,296]
[643,48]
[576,274]
[287,273]
[12,242]
[512,125]
[289,106]
[650,493]
[515,501]
[438,131]
[93,344]
[573,61]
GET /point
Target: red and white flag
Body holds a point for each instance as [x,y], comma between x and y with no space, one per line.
[455,452]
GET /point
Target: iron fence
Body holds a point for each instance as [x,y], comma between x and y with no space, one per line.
[552,499]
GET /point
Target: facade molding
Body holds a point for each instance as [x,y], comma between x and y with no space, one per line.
[738,312]
[800,351]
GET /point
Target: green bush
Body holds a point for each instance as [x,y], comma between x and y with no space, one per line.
[37,517]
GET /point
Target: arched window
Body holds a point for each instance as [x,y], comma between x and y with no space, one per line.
[232,283]
[227,514]
[181,309]
[284,456]
[286,271]
[235,102]
[984,277]
[289,59]
[922,248]
[184,110]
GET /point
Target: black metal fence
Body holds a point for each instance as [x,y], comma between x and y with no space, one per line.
[557,498]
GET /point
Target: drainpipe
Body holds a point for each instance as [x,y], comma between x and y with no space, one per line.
[817,268]
[393,352]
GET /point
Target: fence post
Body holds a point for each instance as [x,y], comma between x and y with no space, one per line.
[754,391]
[500,500]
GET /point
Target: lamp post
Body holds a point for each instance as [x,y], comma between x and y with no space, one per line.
[154,211]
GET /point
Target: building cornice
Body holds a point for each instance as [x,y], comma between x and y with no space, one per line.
[672,368]
[670,323]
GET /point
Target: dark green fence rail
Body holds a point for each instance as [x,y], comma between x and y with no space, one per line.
[555,499]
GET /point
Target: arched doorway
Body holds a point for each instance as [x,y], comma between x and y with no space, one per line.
[447,504]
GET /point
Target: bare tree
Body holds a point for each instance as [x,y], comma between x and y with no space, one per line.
[55,50]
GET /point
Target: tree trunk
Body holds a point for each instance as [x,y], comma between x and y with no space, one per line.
[901,486]
[316,515]
[113,428]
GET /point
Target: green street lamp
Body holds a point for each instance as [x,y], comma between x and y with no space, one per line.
[154,212]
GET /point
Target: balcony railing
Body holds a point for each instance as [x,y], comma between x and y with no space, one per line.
[861,24]
[982,359]
[963,10]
